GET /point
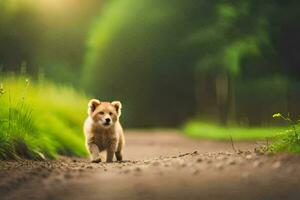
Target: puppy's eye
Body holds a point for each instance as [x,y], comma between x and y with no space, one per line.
[110,113]
[101,113]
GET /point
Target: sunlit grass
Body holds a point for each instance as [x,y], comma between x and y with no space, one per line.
[288,141]
[206,130]
[40,119]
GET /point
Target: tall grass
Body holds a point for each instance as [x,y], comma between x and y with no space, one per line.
[40,119]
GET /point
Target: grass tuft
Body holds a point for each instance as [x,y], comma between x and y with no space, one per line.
[289,140]
[40,119]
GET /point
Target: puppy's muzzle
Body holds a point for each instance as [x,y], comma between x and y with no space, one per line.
[107,121]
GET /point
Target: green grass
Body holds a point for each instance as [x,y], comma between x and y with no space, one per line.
[40,119]
[284,139]
[206,130]
[288,142]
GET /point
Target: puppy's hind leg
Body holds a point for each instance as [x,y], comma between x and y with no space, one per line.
[94,153]
[111,151]
[109,156]
[121,143]
[119,156]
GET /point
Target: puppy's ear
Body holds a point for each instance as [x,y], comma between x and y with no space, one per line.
[118,106]
[93,103]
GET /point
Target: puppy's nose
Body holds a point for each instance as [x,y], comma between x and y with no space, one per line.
[107,120]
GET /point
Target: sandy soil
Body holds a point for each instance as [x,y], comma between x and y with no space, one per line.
[159,165]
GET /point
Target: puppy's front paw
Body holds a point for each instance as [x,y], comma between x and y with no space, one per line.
[96,160]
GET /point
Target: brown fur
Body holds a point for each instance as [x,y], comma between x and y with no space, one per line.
[103,136]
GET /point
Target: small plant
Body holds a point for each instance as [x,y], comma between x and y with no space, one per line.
[290,139]
[291,122]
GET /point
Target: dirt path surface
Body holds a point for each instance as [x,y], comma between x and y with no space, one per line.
[159,165]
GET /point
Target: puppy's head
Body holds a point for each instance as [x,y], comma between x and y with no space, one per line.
[104,113]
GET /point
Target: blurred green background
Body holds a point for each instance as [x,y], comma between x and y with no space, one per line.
[227,62]
[167,61]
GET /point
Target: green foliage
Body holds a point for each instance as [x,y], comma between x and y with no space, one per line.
[205,130]
[46,35]
[256,99]
[167,61]
[283,140]
[136,56]
[289,140]
[40,119]
[164,52]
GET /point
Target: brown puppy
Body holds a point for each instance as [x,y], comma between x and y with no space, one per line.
[103,131]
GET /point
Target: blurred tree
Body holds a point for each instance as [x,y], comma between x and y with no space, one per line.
[169,60]
[222,44]
[48,36]
[136,55]
[18,42]
[170,57]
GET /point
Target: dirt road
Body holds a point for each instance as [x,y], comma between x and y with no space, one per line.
[159,165]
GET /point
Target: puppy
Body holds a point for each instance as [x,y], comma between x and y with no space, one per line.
[103,131]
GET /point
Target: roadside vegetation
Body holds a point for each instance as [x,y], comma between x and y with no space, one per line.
[39,120]
[280,138]
[289,140]
[208,130]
